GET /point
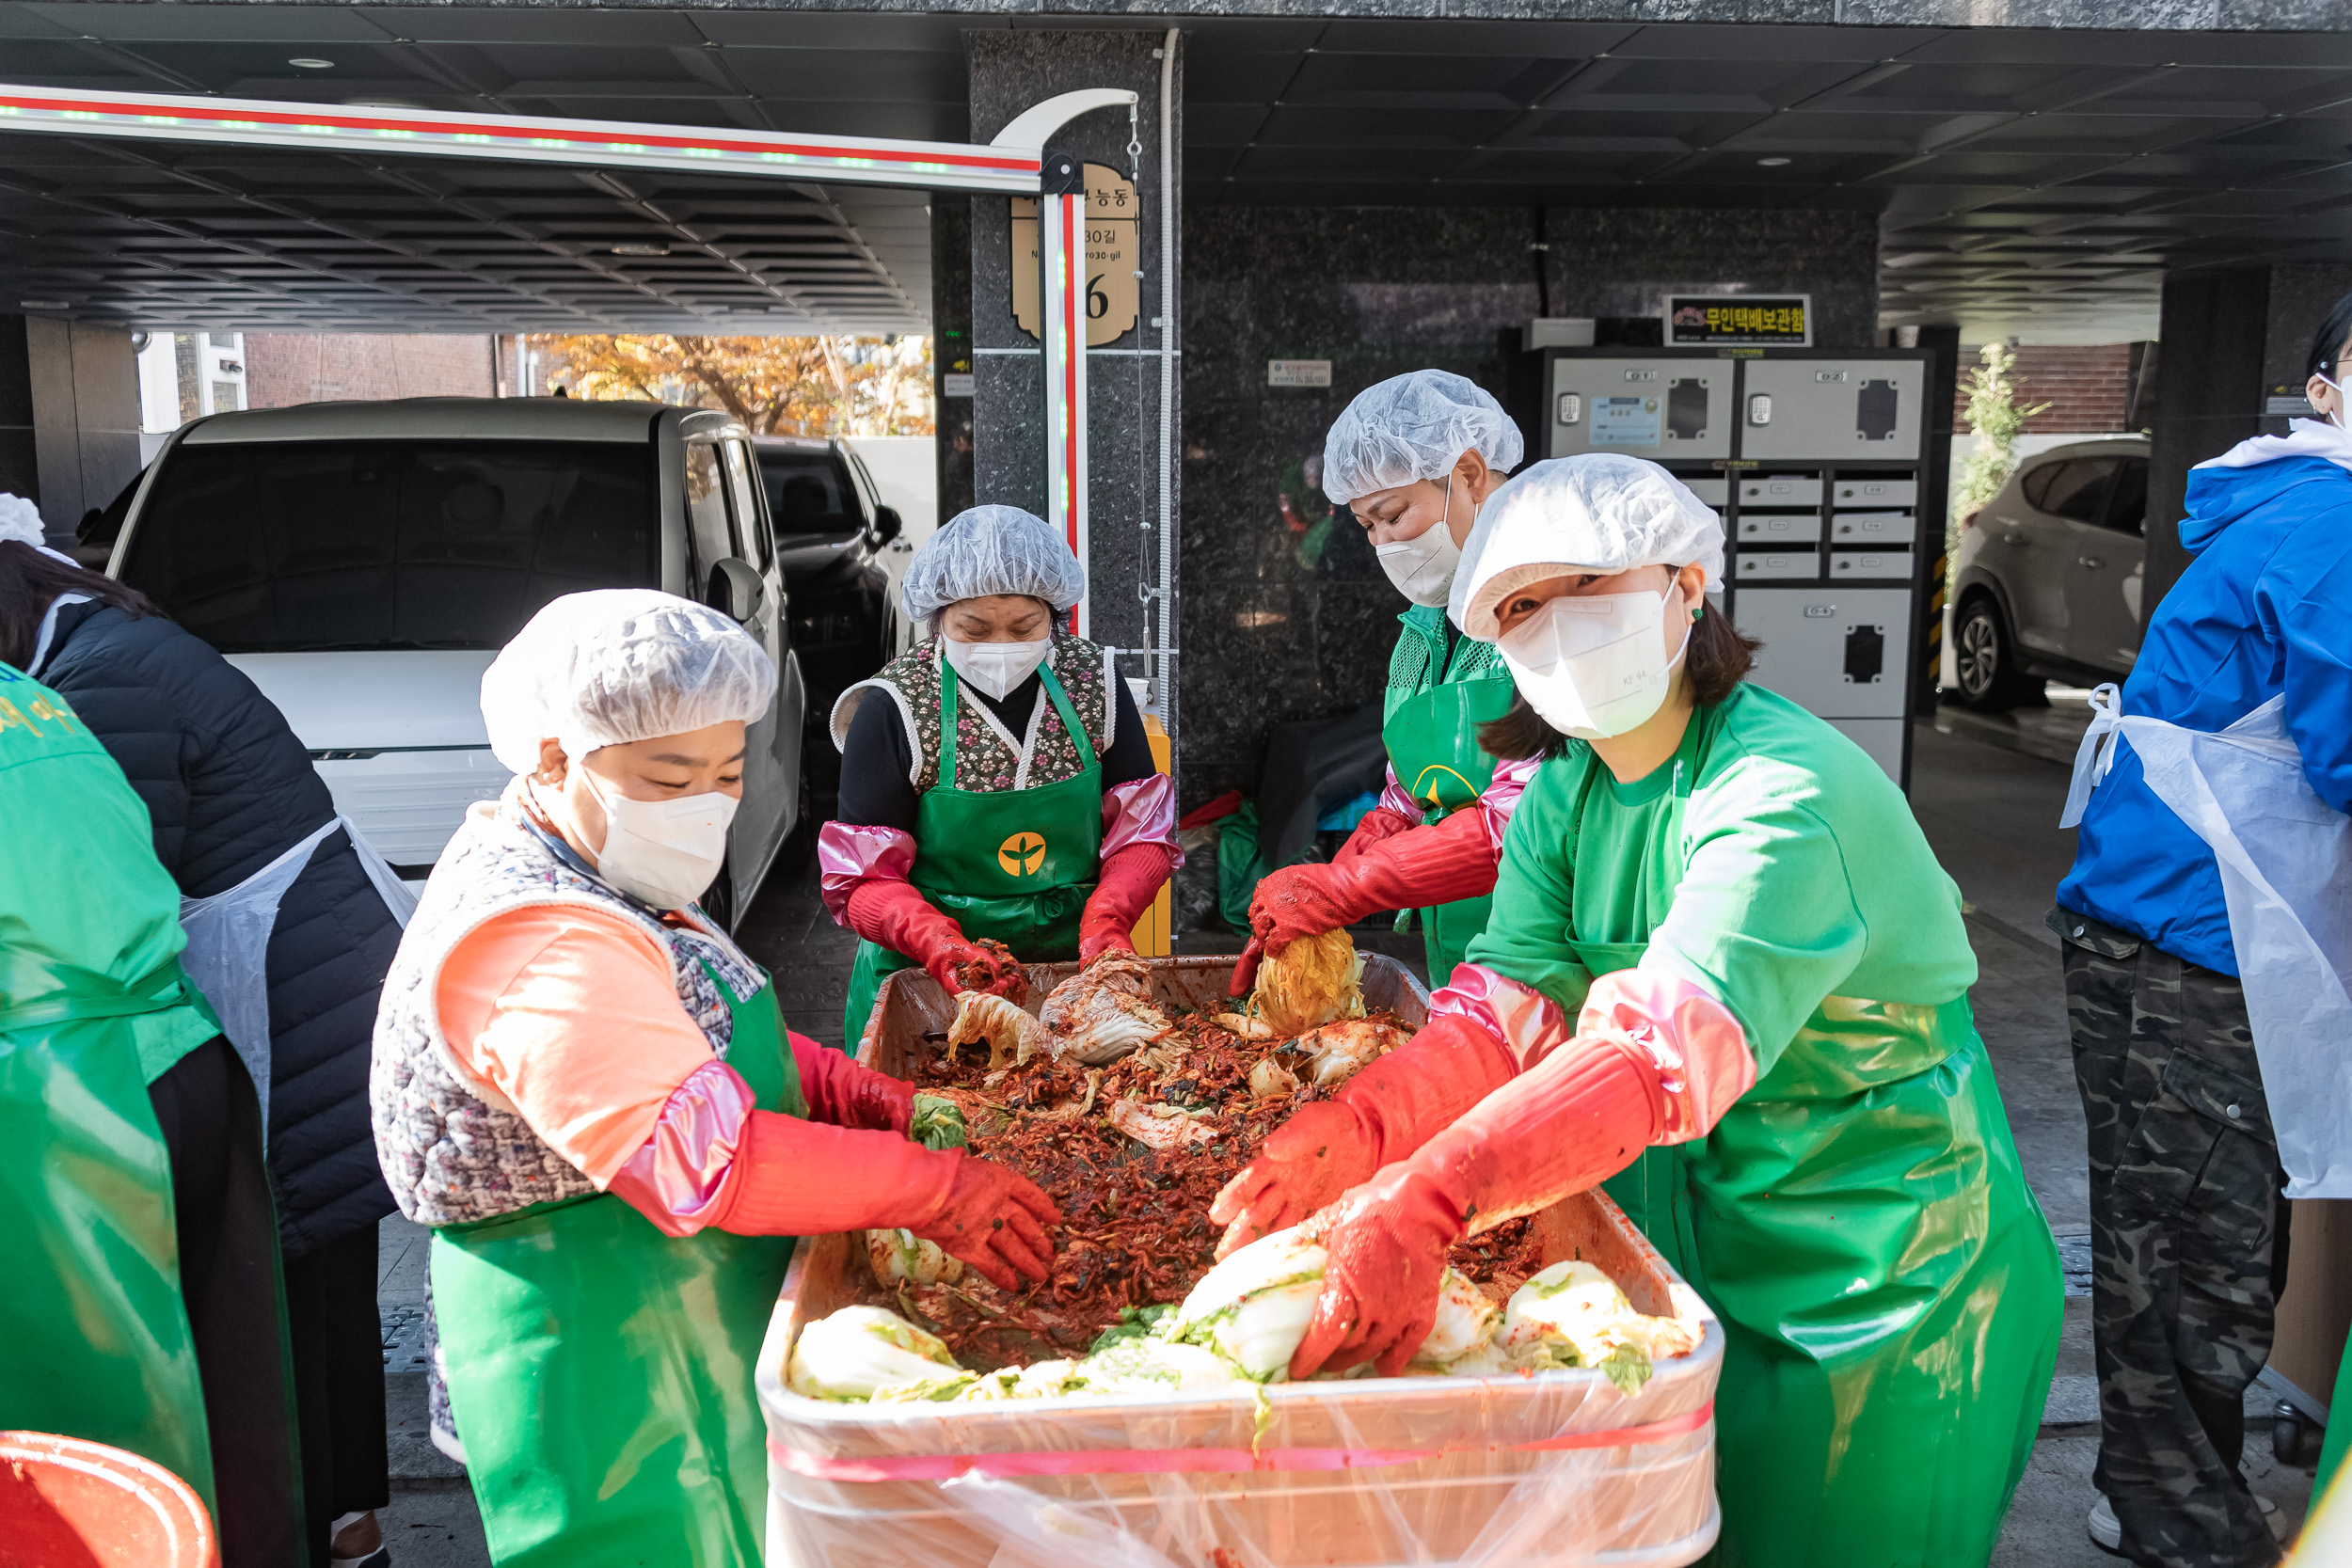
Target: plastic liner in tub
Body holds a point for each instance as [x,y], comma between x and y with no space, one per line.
[1551,1469]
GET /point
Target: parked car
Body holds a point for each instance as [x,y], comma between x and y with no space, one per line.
[363,563]
[832,528]
[2047,582]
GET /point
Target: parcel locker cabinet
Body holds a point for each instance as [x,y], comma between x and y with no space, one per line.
[1667,407]
[1831,410]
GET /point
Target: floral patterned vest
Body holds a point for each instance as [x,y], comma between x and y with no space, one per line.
[988,756]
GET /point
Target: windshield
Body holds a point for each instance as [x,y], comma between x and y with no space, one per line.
[808,492]
[300,546]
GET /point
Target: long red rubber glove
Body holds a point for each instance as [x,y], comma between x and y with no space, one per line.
[1130,880]
[1411,870]
[1384,1112]
[1579,1116]
[839,1091]
[796,1178]
[1381,822]
[895,914]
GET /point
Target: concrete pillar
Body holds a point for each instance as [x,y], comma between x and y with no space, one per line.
[68,416]
[1012,71]
[951,348]
[2209,397]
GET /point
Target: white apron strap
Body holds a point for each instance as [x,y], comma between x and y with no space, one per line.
[2096,753]
[396,892]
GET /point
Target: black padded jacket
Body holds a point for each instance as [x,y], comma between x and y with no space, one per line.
[229,788]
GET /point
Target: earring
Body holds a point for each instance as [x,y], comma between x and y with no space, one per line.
[1696,613]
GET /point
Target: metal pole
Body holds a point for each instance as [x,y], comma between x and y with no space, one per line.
[1061,252]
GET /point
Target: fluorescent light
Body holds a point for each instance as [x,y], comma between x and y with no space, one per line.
[306,63]
[643,247]
[44,304]
[1772,162]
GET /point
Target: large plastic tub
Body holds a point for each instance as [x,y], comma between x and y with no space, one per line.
[66,1502]
[1544,1471]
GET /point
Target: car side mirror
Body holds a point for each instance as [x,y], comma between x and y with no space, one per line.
[888,525]
[735,589]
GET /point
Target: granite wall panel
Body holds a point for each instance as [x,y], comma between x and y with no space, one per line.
[1285,614]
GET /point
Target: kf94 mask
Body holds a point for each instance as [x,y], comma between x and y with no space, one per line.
[1593,667]
[1422,566]
[664,852]
[996,668]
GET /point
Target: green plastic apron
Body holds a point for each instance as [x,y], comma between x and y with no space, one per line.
[1015,866]
[600,1372]
[97,1331]
[1853,1220]
[1433,745]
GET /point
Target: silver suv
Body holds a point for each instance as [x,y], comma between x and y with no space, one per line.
[364,562]
[2048,580]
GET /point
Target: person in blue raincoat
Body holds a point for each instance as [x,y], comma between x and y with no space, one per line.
[2188,1235]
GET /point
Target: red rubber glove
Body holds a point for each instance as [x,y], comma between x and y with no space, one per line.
[796,1178]
[1414,869]
[841,1092]
[1381,822]
[1130,880]
[1576,1118]
[1383,1114]
[895,914]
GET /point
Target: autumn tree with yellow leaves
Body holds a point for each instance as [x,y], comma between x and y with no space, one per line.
[776,386]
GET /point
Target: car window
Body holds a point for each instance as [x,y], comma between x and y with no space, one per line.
[287,546]
[751,538]
[707,507]
[2078,488]
[808,492]
[2127,502]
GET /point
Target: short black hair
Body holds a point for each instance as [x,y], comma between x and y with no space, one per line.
[2328,342]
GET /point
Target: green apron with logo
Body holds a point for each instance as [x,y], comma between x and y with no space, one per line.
[600,1371]
[1853,1219]
[1432,738]
[97,1331]
[1015,866]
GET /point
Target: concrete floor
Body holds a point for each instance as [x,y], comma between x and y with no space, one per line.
[1987,791]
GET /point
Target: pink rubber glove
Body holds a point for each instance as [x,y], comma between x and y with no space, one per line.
[1384,1112]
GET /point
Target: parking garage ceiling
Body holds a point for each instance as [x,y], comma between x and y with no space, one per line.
[2026,180]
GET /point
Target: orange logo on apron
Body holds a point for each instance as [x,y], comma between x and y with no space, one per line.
[1022,855]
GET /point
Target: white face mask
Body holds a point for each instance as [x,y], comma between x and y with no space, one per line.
[996,668]
[665,852]
[1422,566]
[1594,667]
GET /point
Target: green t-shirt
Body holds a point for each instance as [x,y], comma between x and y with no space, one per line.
[1422,660]
[80,886]
[1771,862]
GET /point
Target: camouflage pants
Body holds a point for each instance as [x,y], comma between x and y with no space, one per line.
[2184,1200]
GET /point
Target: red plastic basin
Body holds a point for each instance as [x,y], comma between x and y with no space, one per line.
[66,1503]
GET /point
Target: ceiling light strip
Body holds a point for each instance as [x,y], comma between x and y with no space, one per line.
[165,117]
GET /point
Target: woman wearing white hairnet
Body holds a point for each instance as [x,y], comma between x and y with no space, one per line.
[1721,938]
[1005,794]
[585,1088]
[1413,458]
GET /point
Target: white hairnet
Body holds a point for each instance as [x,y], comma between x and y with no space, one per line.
[616,665]
[1414,427]
[992,549]
[1598,513]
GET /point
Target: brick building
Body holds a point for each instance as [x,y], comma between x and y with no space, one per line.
[282,369]
[2089,386]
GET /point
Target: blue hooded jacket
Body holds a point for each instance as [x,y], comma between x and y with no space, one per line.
[2265,608]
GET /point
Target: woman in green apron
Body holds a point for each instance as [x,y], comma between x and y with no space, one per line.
[586,1090]
[1726,944]
[142,1306]
[1414,457]
[998,783]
